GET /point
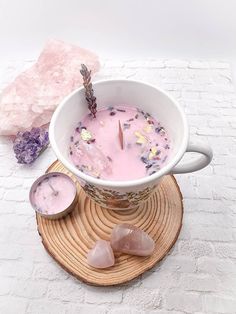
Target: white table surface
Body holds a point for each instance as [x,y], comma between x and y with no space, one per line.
[199,274]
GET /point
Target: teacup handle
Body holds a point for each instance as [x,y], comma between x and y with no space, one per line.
[200,162]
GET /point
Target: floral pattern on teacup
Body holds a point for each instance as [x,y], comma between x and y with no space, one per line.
[116,200]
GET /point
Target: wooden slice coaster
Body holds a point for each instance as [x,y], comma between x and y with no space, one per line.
[69,239]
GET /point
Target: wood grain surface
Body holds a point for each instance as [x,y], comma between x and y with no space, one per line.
[69,239]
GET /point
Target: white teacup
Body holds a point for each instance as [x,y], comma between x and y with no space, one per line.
[127,194]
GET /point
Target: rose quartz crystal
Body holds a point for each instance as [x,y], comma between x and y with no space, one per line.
[90,153]
[131,240]
[101,255]
[31,98]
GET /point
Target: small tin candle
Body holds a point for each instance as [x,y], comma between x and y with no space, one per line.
[53,195]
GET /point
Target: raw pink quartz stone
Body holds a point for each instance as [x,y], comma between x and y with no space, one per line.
[31,98]
[130,239]
[87,153]
[101,255]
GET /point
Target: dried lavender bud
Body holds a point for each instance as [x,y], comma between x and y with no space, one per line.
[80,128]
[89,93]
[144,159]
[141,111]
[161,130]
[126,126]
[112,113]
[109,158]
[130,120]
[152,173]
[121,110]
[136,116]
[71,138]
[91,141]
[29,144]
[83,168]
[164,159]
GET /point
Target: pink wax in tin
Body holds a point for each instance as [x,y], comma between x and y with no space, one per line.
[96,150]
[52,193]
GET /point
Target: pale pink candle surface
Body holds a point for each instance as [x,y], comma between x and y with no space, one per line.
[53,194]
[95,146]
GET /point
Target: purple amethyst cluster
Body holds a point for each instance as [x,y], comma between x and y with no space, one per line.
[29,144]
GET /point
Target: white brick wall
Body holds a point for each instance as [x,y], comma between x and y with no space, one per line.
[198,275]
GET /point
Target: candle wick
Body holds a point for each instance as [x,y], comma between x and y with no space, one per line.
[54,191]
[121,136]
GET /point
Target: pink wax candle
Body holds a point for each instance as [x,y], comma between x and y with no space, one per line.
[53,195]
[96,148]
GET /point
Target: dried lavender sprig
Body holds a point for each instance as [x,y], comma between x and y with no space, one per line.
[89,93]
